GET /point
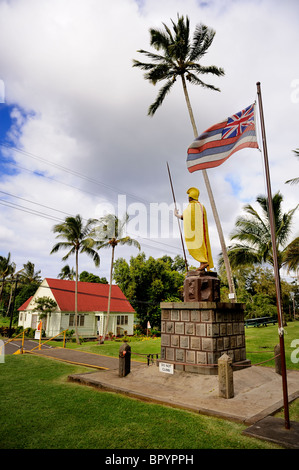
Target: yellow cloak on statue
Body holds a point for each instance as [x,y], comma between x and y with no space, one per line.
[196,230]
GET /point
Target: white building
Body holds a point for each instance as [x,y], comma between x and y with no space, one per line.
[92,309]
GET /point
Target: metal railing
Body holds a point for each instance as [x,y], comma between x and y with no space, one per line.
[40,344]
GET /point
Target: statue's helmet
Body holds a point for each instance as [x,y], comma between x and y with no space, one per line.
[194,193]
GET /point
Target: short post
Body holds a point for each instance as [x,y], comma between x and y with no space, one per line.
[124,360]
[23,340]
[277,359]
[225,377]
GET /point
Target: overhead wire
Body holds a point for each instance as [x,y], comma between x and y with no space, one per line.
[74,173]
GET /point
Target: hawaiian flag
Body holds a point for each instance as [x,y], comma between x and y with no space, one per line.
[220,141]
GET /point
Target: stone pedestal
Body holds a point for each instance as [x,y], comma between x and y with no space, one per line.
[196,333]
[201,287]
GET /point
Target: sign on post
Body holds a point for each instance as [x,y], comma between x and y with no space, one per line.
[165,367]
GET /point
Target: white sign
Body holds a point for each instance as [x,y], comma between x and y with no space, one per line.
[167,368]
[37,334]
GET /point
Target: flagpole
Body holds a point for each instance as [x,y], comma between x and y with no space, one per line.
[275,262]
[172,190]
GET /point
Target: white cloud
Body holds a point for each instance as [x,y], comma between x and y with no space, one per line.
[69,64]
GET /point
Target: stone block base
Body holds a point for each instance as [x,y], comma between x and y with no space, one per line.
[194,335]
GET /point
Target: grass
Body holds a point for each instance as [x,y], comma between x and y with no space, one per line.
[140,347]
[260,343]
[41,410]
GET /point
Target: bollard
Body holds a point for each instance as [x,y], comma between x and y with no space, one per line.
[225,377]
[124,360]
[277,359]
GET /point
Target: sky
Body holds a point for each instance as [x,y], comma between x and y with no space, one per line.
[75,137]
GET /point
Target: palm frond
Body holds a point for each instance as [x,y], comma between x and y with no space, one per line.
[158,73]
[129,241]
[243,255]
[291,256]
[201,69]
[202,40]
[152,56]
[160,98]
[159,39]
[192,78]
[292,181]
[61,245]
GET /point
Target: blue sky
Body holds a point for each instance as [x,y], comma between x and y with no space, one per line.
[80,115]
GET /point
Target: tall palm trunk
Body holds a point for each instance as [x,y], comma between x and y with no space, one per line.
[110,289]
[76,300]
[212,201]
[10,297]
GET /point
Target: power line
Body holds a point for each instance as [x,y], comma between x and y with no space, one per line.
[36,203]
[70,171]
[29,211]
[74,173]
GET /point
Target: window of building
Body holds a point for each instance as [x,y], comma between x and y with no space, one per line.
[122,319]
[72,320]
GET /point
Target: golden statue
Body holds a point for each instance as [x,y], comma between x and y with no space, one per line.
[196,230]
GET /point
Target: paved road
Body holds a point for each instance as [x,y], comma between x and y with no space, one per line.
[67,355]
[15,345]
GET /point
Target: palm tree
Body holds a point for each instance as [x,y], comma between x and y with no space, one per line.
[253,233]
[253,237]
[7,267]
[180,58]
[29,275]
[110,233]
[67,273]
[78,239]
[294,180]
[291,256]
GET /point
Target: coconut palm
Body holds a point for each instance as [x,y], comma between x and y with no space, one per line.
[294,180]
[181,57]
[291,256]
[77,239]
[110,233]
[253,237]
[253,234]
[67,273]
[29,275]
[7,267]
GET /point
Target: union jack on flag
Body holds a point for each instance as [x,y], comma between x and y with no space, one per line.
[237,124]
[220,141]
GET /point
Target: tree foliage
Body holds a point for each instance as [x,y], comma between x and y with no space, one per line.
[255,287]
[252,236]
[85,276]
[44,306]
[147,282]
[178,55]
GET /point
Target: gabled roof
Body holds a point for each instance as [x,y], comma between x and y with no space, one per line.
[25,304]
[92,297]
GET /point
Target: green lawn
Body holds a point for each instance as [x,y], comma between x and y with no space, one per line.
[41,410]
[260,343]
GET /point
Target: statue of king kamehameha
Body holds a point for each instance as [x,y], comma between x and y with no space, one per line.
[196,230]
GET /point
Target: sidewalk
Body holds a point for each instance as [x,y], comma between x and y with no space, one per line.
[257,391]
[257,394]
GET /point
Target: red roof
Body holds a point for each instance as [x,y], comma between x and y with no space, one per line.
[25,304]
[92,297]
